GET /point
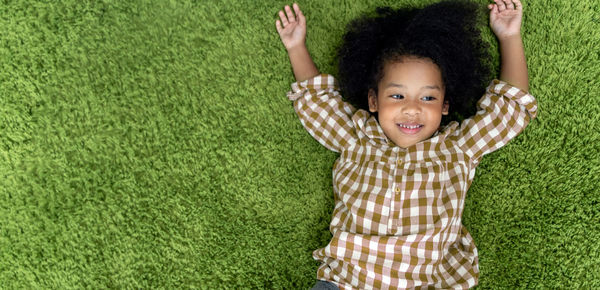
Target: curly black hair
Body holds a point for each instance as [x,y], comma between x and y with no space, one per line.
[444,32]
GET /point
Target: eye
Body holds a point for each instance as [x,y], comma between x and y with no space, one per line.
[428,98]
[397,97]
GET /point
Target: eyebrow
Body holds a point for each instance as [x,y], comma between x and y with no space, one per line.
[434,87]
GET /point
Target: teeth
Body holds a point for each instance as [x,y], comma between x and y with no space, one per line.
[409,127]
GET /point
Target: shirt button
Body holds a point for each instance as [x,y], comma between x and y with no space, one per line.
[398,189]
[398,162]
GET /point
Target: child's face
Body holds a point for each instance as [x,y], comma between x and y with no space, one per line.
[410,100]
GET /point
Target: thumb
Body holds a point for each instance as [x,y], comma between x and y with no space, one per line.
[493,12]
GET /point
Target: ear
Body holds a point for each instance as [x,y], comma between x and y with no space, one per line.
[445,108]
[372,101]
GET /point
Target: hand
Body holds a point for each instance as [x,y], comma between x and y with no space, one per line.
[505,18]
[291,29]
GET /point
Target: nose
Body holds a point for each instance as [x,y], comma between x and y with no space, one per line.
[411,108]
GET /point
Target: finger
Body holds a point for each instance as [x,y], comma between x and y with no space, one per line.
[301,18]
[493,11]
[509,4]
[290,14]
[284,20]
[518,4]
[501,5]
[278,26]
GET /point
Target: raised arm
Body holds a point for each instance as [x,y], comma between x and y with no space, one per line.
[505,20]
[292,31]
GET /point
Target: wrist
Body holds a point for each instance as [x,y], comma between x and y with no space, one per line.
[509,38]
[297,48]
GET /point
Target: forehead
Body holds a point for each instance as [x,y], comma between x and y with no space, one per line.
[412,71]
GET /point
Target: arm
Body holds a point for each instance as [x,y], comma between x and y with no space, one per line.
[292,32]
[317,101]
[506,108]
[505,20]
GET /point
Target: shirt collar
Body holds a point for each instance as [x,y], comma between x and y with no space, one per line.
[368,125]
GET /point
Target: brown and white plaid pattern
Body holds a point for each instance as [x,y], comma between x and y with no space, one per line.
[397,217]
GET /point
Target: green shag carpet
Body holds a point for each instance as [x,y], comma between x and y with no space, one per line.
[150,144]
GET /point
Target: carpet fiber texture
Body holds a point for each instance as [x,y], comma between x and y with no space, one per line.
[150,144]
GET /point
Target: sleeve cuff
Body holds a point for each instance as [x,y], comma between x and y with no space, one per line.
[319,82]
[501,88]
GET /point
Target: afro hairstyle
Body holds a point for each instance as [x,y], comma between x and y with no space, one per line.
[444,32]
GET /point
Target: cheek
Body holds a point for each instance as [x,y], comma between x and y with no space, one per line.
[388,111]
[434,113]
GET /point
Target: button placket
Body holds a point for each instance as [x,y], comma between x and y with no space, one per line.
[396,190]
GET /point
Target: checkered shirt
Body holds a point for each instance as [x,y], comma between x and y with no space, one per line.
[397,216]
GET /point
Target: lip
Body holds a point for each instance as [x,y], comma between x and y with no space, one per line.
[409,131]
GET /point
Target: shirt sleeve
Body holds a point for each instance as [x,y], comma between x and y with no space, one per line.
[322,112]
[503,112]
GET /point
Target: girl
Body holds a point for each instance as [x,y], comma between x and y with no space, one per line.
[401,179]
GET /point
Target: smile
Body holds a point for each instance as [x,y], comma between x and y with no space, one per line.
[409,129]
[409,126]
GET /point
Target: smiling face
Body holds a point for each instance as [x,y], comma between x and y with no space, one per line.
[410,100]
